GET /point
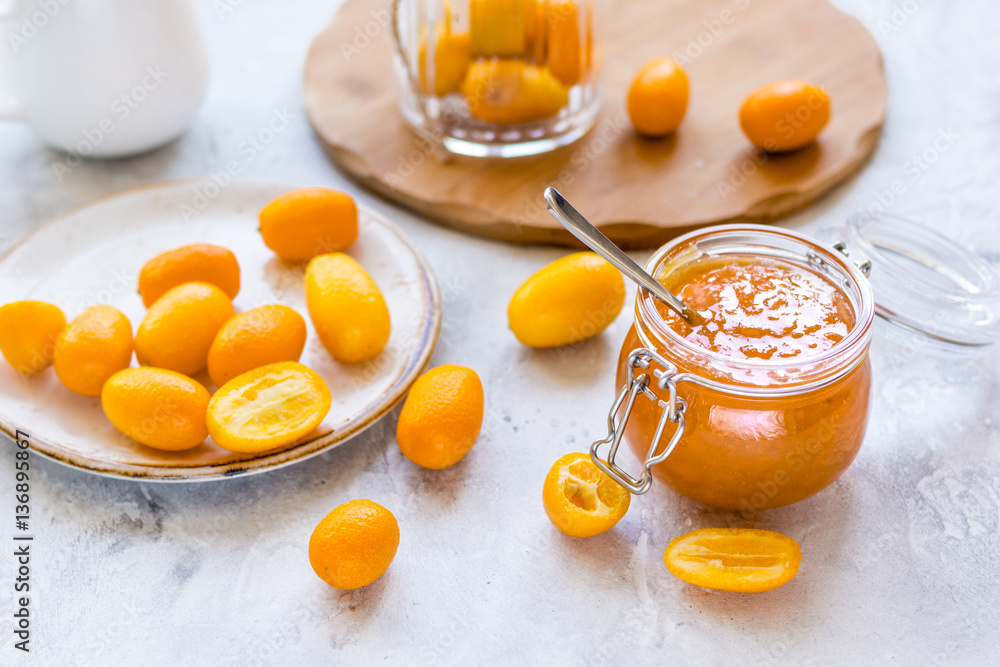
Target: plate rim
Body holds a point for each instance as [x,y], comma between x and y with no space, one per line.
[358,422]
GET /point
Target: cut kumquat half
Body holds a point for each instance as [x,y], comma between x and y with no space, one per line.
[268,407]
[741,560]
[580,500]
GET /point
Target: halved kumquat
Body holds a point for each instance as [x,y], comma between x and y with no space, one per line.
[580,500]
[268,407]
[742,560]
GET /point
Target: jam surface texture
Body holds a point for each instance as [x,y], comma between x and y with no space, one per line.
[762,310]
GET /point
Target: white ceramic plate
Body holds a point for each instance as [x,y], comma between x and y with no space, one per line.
[94,254]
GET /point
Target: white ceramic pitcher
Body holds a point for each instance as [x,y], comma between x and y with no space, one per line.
[102,78]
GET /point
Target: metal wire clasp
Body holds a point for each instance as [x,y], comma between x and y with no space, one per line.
[637,383]
[864,267]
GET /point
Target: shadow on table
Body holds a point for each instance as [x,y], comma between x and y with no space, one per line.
[361,603]
[571,364]
[442,488]
[820,524]
[600,553]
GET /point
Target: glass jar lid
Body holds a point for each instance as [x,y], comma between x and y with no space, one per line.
[922,280]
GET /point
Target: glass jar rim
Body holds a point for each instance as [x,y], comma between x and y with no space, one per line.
[851,349]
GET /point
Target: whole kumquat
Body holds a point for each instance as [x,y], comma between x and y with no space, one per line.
[199,262]
[785,115]
[565,48]
[354,544]
[658,97]
[305,223]
[441,417]
[450,61]
[506,92]
[157,408]
[535,30]
[179,328]
[347,308]
[91,348]
[572,299]
[497,28]
[261,336]
[28,333]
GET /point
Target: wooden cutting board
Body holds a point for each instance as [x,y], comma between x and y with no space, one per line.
[640,192]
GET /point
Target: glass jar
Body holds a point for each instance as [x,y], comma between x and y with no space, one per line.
[501,78]
[757,434]
[747,434]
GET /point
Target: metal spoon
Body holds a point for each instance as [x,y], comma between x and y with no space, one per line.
[581,228]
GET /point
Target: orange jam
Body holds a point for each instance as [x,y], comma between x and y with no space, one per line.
[759,310]
[763,434]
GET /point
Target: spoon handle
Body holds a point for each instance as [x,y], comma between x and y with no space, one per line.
[581,228]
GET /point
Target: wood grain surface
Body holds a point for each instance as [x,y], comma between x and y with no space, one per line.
[640,192]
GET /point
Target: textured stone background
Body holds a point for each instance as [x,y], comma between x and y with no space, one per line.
[899,557]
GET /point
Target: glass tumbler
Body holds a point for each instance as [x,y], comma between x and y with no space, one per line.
[497,78]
